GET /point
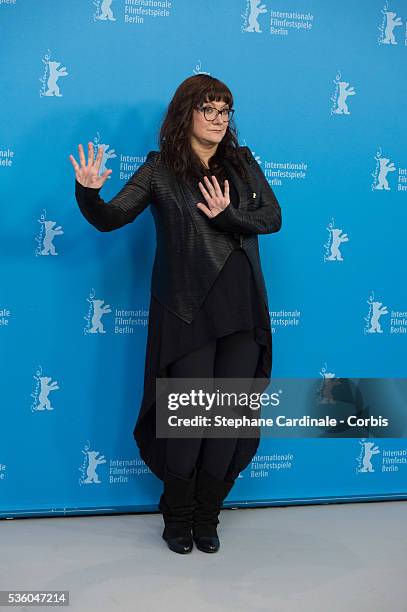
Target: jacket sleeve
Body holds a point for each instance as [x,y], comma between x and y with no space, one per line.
[124,207]
[265,219]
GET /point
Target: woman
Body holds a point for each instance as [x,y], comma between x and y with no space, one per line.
[208,312]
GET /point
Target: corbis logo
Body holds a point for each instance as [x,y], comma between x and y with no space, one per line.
[91,461]
[51,74]
[335,239]
[339,98]
[43,387]
[46,235]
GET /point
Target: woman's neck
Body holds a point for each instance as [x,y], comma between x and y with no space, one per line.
[204,153]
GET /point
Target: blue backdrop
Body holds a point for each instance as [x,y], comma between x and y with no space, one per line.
[320,99]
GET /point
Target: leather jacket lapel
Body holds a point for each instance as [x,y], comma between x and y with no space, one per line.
[188,201]
[243,188]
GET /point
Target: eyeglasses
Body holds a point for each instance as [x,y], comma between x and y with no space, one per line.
[210,113]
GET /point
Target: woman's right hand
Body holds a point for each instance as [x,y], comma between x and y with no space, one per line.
[87,174]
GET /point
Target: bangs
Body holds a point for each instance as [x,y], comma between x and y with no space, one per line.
[216,92]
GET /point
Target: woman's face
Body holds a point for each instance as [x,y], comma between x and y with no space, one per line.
[209,132]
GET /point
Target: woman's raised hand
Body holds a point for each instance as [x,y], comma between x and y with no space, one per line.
[87,174]
[216,200]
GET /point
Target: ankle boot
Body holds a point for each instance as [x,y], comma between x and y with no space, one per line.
[177,507]
[209,495]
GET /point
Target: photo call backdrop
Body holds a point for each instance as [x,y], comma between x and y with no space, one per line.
[320,99]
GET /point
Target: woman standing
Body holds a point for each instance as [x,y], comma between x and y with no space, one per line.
[208,314]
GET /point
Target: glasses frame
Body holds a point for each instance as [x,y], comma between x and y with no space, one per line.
[231,112]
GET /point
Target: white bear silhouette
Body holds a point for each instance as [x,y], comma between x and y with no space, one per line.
[385,167]
[106,11]
[45,389]
[98,311]
[369,450]
[50,232]
[94,461]
[378,311]
[255,11]
[337,239]
[344,92]
[105,157]
[391,23]
[54,74]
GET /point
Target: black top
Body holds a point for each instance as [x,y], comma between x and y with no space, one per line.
[232,303]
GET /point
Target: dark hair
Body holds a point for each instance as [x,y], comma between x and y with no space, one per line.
[174,136]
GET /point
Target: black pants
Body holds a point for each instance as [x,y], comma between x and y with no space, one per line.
[231,356]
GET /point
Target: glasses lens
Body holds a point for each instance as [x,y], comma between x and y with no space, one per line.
[211,113]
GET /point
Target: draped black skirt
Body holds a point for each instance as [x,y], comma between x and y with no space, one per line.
[233,303]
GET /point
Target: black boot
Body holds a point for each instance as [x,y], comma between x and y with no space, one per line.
[209,495]
[177,507]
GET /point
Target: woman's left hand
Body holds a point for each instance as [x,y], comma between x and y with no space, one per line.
[216,200]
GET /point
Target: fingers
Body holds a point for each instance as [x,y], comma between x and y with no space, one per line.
[205,209]
[209,186]
[98,160]
[91,157]
[82,156]
[202,188]
[106,174]
[90,154]
[218,190]
[226,183]
[212,191]
[91,163]
[74,163]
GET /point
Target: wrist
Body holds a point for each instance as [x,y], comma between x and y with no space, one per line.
[223,217]
[78,184]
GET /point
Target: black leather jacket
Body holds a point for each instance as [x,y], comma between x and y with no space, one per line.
[191,248]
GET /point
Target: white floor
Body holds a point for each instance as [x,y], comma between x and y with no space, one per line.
[330,558]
